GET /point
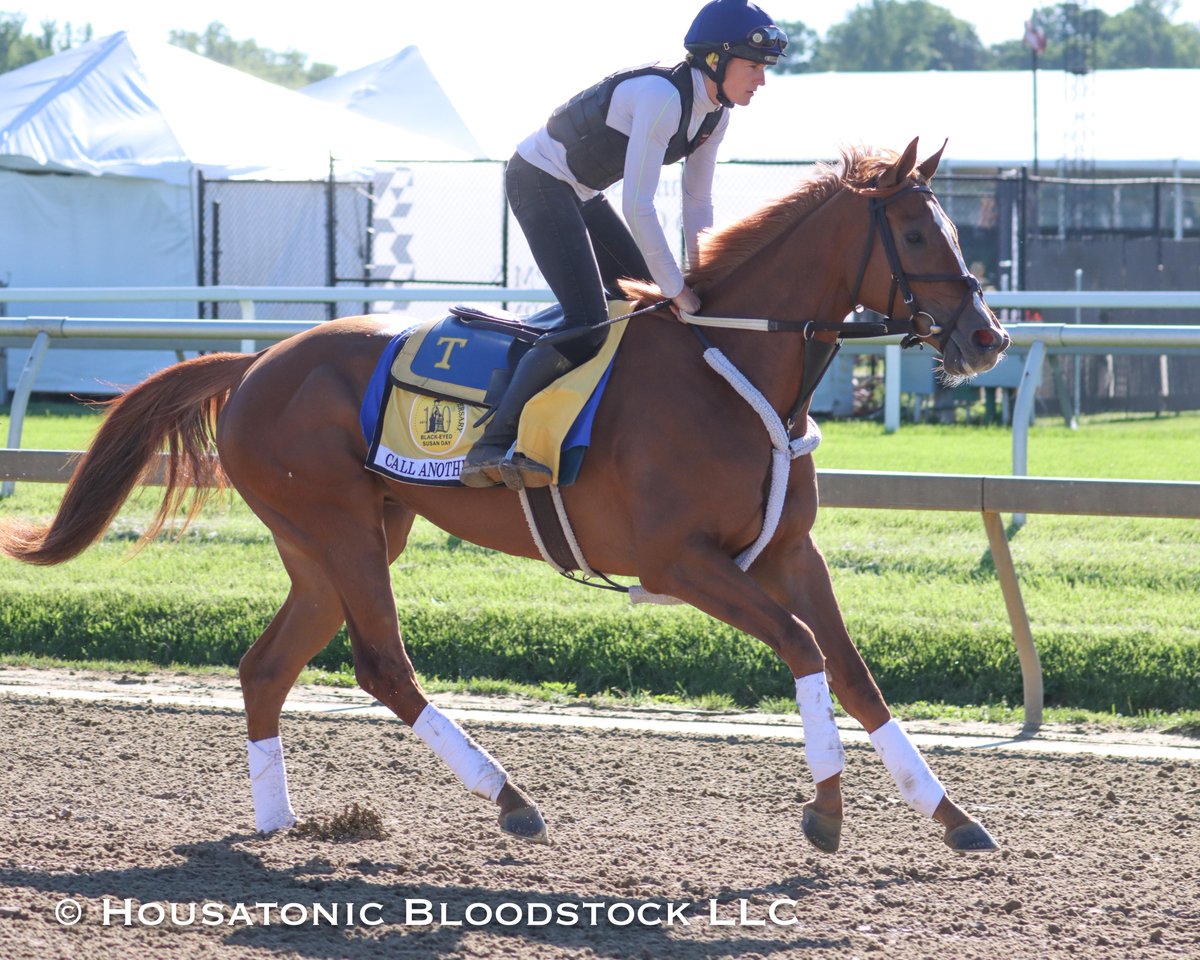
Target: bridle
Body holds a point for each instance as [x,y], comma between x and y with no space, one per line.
[901,281]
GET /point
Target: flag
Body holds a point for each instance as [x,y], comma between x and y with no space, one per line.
[1035,36]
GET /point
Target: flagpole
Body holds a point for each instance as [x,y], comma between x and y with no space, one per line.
[1035,40]
[1035,113]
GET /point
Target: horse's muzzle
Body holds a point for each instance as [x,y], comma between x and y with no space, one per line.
[975,345]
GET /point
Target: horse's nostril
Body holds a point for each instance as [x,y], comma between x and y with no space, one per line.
[984,338]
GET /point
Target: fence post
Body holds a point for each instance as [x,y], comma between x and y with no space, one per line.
[20,403]
[891,388]
[1031,376]
[1177,173]
[248,346]
[1077,394]
[1031,664]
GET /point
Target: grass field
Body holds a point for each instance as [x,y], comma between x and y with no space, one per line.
[1114,603]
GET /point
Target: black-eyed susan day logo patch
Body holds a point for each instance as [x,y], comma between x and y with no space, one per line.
[437,426]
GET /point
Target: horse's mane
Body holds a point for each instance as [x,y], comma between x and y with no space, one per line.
[722,251]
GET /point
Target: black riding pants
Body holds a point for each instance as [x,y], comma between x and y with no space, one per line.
[582,248]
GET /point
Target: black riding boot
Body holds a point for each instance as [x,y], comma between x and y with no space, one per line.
[487,463]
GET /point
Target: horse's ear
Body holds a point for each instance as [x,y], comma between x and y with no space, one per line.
[904,166]
[929,165]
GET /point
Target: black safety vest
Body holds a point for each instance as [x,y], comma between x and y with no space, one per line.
[595,151]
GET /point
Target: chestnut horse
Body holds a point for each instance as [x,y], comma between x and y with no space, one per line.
[672,509]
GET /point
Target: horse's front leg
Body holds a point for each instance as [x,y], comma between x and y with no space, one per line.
[704,576]
[794,572]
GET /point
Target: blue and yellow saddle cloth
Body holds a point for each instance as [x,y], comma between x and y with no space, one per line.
[427,393]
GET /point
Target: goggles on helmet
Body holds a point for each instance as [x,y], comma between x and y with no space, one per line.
[769,38]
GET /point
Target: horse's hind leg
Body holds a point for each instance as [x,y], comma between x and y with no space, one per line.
[307,621]
[350,559]
[798,577]
[384,670]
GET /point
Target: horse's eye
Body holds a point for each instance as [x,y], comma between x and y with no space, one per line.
[913,236]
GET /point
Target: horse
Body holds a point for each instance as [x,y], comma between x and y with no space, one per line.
[672,509]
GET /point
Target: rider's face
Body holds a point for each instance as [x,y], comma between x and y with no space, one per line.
[742,78]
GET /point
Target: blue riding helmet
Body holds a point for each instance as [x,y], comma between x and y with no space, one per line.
[732,28]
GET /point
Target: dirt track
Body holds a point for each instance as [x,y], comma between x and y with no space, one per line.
[121,806]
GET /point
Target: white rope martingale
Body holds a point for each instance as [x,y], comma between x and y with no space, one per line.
[783,452]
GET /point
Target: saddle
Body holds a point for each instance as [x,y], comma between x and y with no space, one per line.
[470,355]
[437,382]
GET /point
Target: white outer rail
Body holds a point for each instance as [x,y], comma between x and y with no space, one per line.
[1036,336]
[998,299]
[247,296]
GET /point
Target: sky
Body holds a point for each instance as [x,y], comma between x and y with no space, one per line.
[505,65]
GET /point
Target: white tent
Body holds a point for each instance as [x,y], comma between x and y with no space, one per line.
[134,107]
[99,149]
[402,91]
[1111,120]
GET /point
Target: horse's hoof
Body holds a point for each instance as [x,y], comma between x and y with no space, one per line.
[281,821]
[822,830]
[525,823]
[970,837]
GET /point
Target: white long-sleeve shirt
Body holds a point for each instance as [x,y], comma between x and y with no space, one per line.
[647,110]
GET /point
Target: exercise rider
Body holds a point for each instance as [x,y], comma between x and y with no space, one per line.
[627,126]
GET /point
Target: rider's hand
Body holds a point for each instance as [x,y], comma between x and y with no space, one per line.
[686,301]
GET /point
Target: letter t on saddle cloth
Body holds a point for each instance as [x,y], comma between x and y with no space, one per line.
[435,384]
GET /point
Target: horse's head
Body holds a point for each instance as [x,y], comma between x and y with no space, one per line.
[912,268]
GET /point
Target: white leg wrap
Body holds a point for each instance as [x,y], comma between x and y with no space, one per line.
[268,785]
[822,742]
[473,765]
[919,787]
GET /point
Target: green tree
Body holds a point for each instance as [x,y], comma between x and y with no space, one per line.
[901,35]
[288,69]
[18,48]
[1079,38]
[803,43]
[1144,36]
[1011,55]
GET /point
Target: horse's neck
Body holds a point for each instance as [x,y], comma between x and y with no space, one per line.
[800,277]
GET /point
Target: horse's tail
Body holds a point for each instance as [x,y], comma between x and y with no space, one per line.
[176,408]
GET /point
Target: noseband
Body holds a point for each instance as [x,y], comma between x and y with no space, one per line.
[900,279]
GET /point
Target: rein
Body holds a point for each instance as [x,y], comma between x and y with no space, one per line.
[859,330]
[570,333]
[819,354]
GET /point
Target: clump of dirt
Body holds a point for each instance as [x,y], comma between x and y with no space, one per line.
[353,823]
